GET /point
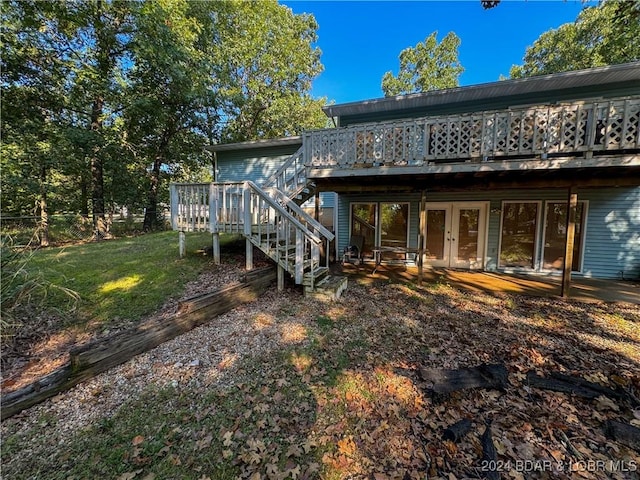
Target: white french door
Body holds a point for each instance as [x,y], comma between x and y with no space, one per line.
[456,234]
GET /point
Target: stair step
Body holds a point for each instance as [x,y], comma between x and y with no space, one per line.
[316,276]
[329,288]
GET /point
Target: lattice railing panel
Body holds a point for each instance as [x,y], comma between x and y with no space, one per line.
[557,129]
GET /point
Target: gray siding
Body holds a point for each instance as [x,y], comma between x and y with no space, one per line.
[612,246]
[612,230]
[255,165]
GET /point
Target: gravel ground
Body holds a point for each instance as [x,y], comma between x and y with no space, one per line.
[199,358]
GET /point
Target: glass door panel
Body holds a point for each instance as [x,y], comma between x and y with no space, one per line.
[555,236]
[437,236]
[465,238]
[518,235]
[363,223]
[394,223]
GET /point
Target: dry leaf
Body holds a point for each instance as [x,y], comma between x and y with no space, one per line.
[605,403]
[137,440]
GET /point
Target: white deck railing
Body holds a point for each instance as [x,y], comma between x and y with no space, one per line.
[570,129]
[269,219]
[290,178]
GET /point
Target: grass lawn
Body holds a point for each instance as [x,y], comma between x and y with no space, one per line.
[118,282]
[336,394]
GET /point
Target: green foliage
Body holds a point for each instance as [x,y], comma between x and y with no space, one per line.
[606,34]
[427,66]
[23,287]
[104,102]
[268,62]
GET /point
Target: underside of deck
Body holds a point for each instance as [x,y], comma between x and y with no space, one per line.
[397,181]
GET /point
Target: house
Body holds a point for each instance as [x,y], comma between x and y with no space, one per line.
[536,175]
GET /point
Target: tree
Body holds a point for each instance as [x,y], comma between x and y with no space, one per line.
[268,62]
[169,86]
[606,34]
[105,99]
[427,66]
[33,100]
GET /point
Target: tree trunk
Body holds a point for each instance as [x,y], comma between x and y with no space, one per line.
[44,213]
[151,211]
[151,216]
[97,175]
[84,197]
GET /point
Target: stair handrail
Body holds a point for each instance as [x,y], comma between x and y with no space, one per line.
[288,201]
[283,211]
[272,180]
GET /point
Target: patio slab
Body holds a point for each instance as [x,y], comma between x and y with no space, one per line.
[582,289]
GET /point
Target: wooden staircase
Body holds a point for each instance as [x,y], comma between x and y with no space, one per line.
[269,217]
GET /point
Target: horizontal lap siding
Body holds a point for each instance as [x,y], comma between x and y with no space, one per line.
[612,242]
[255,165]
[327,200]
[612,246]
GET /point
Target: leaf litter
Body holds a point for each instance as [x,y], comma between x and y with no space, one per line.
[289,387]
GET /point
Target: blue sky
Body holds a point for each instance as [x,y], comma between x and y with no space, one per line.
[361,40]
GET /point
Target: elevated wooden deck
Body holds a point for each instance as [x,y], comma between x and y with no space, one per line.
[575,134]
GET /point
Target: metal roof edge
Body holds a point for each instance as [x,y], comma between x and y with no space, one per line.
[539,83]
[270,142]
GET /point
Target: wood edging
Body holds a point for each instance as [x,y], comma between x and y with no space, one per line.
[87,361]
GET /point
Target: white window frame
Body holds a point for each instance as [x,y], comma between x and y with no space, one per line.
[536,240]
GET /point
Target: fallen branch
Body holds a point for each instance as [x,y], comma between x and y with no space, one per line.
[95,357]
[559,382]
[482,376]
[457,431]
[569,446]
[489,465]
[623,433]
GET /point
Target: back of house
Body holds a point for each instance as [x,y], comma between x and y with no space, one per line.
[535,175]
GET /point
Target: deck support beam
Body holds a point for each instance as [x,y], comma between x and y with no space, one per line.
[572,208]
[215,244]
[280,278]
[181,243]
[249,255]
[247,218]
[422,228]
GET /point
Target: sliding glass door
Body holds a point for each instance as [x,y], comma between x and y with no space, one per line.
[383,224]
[518,234]
[526,243]
[555,230]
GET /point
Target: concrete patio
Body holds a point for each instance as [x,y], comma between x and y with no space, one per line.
[582,289]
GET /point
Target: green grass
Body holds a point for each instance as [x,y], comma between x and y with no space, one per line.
[120,281]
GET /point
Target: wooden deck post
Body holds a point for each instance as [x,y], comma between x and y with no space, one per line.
[280,278]
[181,243]
[422,226]
[572,207]
[215,244]
[213,223]
[247,217]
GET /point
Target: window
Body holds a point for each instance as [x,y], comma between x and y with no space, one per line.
[394,224]
[381,224]
[518,234]
[555,230]
[520,237]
